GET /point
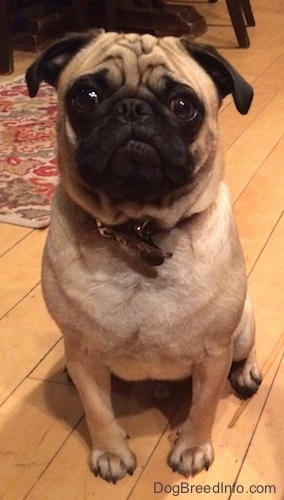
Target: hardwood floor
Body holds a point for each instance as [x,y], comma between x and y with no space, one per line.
[44,443]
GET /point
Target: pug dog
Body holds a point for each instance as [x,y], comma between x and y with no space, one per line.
[143,271]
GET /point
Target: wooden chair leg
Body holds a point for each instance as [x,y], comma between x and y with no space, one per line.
[6,46]
[248,12]
[236,13]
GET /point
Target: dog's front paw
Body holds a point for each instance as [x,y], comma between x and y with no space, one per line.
[112,466]
[189,460]
[245,378]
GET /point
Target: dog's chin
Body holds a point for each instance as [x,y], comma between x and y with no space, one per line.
[120,192]
[135,173]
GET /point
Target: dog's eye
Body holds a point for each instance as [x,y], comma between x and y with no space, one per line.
[183,107]
[85,99]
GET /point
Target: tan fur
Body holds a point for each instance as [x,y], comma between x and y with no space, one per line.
[122,316]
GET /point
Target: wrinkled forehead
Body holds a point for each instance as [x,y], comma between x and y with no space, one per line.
[133,59]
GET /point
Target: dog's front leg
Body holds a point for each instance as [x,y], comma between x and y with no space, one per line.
[193,449]
[111,457]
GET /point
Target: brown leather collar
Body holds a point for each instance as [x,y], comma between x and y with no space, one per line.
[139,236]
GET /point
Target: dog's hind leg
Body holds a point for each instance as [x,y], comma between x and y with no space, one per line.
[245,376]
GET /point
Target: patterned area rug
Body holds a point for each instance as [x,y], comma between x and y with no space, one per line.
[28,174]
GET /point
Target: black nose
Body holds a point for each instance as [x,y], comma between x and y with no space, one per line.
[132,108]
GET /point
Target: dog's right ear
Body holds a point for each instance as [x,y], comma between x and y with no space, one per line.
[51,62]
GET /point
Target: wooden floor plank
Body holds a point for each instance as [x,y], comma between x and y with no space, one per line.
[266,285]
[10,236]
[35,422]
[264,463]
[53,366]
[20,270]
[259,208]
[26,335]
[144,420]
[251,149]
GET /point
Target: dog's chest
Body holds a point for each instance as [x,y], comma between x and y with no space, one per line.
[153,309]
[140,324]
[127,302]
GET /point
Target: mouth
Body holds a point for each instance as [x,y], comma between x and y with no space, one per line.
[139,168]
[135,172]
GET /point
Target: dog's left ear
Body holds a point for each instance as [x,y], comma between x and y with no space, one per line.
[225,77]
[48,66]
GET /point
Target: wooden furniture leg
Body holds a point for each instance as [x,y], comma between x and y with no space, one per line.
[248,12]
[6,46]
[236,13]
[241,14]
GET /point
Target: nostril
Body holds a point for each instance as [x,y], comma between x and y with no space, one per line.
[133,108]
[142,108]
[123,108]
